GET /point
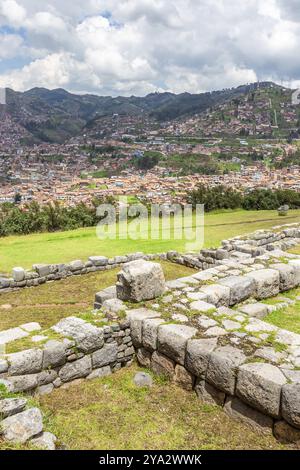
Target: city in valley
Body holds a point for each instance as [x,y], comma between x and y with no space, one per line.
[248,140]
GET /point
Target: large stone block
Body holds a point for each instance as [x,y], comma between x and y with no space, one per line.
[287,276]
[105,294]
[76,370]
[54,354]
[240,411]
[291,404]
[241,288]
[11,406]
[21,427]
[216,294]
[172,340]
[144,357]
[43,270]
[25,362]
[105,356]
[140,280]
[18,274]
[162,365]
[136,318]
[198,354]
[23,383]
[150,332]
[88,337]
[266,282]
[260,386]
[222,368]
[99,260]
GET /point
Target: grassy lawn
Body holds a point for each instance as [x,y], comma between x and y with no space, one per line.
[79,244]
[50,302]
[112,413]
[287,318]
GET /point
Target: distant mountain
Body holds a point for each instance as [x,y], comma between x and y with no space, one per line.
[57,115]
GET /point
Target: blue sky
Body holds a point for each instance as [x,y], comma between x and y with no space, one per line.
[124,47]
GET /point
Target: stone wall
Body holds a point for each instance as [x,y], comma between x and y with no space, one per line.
[92,352]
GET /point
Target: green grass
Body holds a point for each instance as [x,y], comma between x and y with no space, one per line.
[79,244]
[112,413]
[50,302]
[287,318]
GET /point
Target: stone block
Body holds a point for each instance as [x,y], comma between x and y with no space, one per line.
[98,260]
[76,370]
[183,377]
[260,385]
[136,318]
[217,294]
[266,282]
[18,274]
[222,368]
[241,288]
[287,276]
[140,280]
[144,357]
[150,332]
[105,356]
[291,404]
[198,354]
[172,340]
[29,361]
[21,427]
[256,310]
[11,406]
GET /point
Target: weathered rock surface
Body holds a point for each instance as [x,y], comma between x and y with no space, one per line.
[105,356]
[208,393]
[142,379]
[291,404]
[197,355]
[25,362]
[45,441]
[140,280]
[260,386]
[241,288]
[240,411]
[172,340]
[11,406]
[266,282]
[222,368]
[76,370]
[21,427]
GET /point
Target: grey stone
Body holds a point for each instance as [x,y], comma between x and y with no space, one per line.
[54,354]
[197,355]
[75,370]
[88,338]
[222,368]
[201,306]
[99,260]
[18,274]
[240,411]
[291,404]
[141,379]
[208,393]
[172,340]
[76,265]
[12,334]
[45,441]
[215,332]
[25,362]
[257,310]
[260,386]
[140,280]
[46,376]
[3,366]
[162,365]
[266,282]
[99,373]
[11,406]
[150,331]
[43,270]
[105,294]
[113,307]
[217,294]
[45,389]
[241,288]
[23,383]
[30,327]
[287,277]
[21,427]
[136,318]
[105,356]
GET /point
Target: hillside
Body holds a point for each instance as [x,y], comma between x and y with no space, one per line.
[56,115]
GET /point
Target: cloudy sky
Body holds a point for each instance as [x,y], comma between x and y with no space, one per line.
[124,47]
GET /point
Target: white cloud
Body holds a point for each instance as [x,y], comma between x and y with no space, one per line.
[138,46]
